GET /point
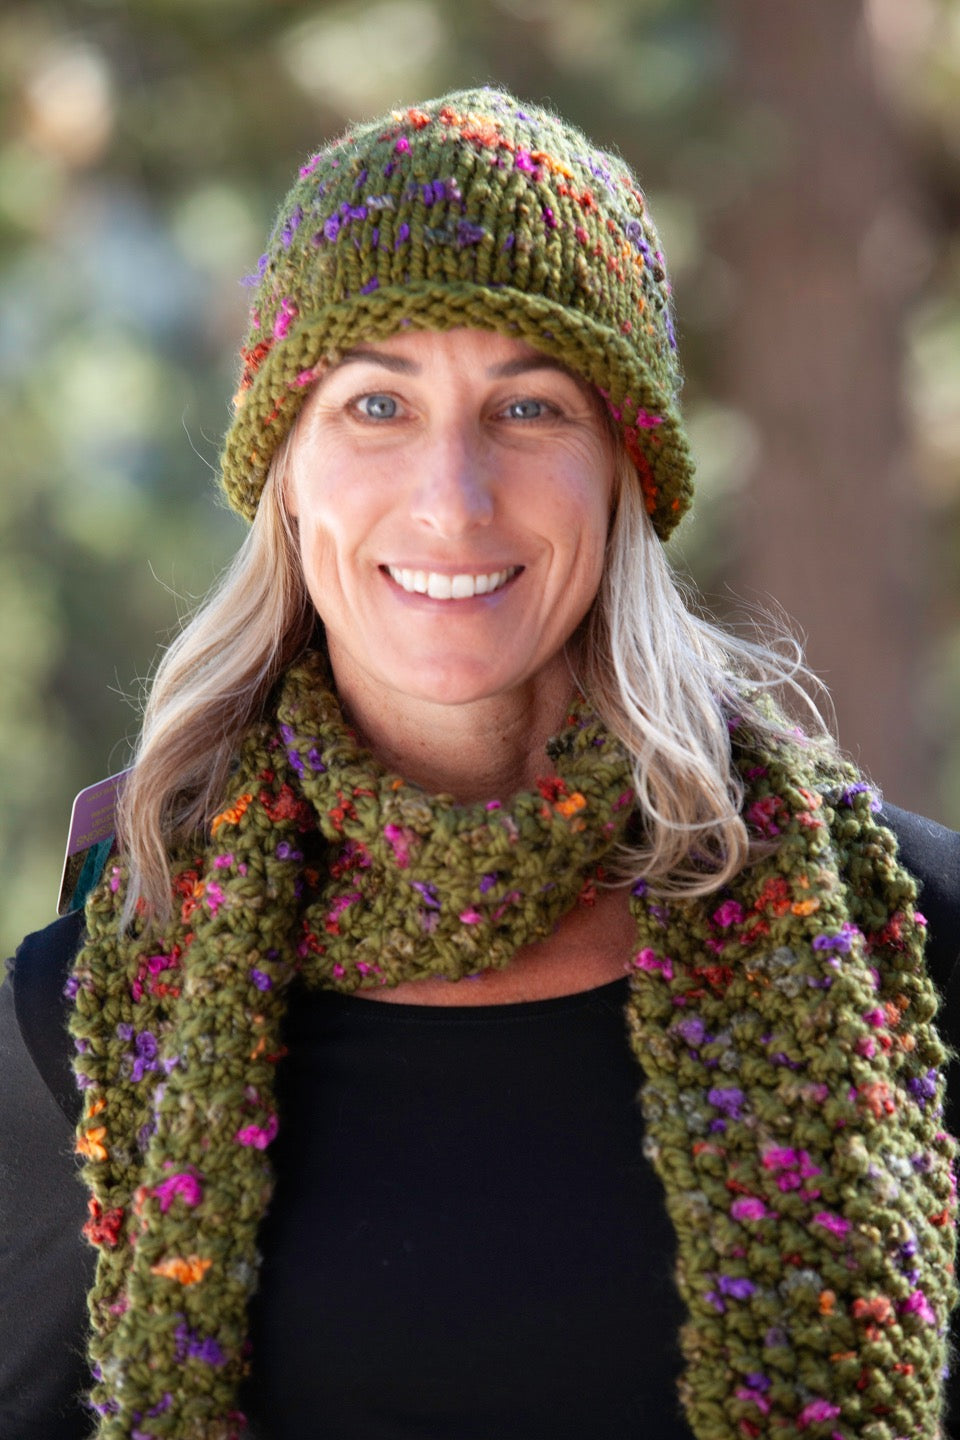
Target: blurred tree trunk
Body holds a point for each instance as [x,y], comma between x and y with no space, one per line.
[817,237]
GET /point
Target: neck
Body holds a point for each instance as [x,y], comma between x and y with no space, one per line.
[487,748]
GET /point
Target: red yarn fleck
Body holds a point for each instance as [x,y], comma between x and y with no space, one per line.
[185,884]
[878,1099]
[103,1227]
[286,806]
[891,934]
[275,412]
[252,360]
[775,896]
[718,977]
[755,932]
[648,484]
[588,893]
[343,810]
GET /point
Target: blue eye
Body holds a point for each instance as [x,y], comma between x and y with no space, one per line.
[377,407]
[526,410]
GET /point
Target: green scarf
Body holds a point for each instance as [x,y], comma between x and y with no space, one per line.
[792,1098]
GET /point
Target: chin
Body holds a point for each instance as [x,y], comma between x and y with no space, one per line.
[451,690]
[456,681]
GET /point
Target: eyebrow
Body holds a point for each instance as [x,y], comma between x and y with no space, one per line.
[398,365]
[523,363]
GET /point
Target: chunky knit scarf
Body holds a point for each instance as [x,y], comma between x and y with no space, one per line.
[792,1098]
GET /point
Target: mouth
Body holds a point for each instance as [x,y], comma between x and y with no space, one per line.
[450,587]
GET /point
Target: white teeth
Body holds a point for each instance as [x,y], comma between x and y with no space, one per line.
[449,587]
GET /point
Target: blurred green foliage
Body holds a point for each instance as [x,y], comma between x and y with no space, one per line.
[143,149]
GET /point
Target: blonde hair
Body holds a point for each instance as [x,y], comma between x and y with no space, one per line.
[671,684]
[211,683]
[665,680]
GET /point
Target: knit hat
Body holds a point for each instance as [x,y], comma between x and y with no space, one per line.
[470,210]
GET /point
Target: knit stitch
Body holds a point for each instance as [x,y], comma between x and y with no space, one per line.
[474,210]
[792,1092]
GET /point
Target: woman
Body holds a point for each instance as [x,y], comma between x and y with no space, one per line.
[447,720]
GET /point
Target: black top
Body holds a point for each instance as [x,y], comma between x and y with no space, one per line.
[464,1241]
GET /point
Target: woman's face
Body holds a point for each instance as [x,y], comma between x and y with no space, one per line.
[452,493]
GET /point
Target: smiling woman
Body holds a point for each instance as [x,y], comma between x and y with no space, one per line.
[448,736]
[490,483]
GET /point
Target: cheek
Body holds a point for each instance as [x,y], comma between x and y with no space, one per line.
[590,523]
[318,561]
[331,540]
[590,518]
[592,575]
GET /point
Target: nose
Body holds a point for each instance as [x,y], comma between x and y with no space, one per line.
[453,494]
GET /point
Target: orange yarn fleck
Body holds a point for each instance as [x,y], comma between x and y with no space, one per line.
[90,1143]
[186,1271]
[232,815]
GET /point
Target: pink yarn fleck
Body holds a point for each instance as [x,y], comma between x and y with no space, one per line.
[184,1184]
[258,1136]
[285,317]
[918,1304]
[399,841]
[213,896]
[749,1208]
[834,1223]
[753,1398]
[649,960]
[815,1412]
[729,913]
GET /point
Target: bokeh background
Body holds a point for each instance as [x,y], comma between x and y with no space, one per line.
[803,163]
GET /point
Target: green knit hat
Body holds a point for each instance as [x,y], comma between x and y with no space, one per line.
[472,210]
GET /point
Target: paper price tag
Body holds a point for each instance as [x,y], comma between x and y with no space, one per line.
[92,825]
